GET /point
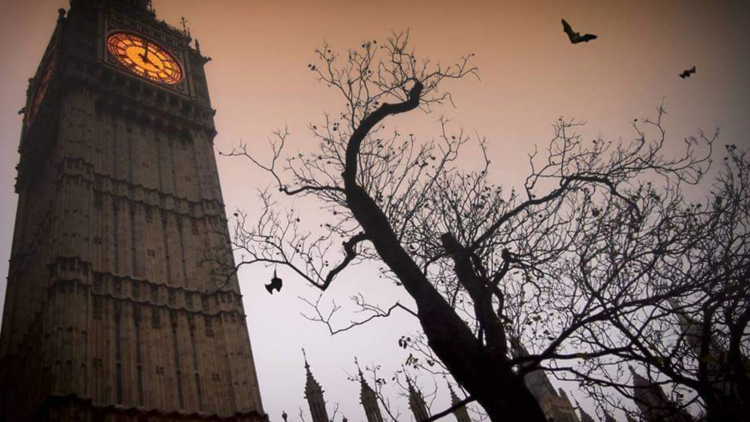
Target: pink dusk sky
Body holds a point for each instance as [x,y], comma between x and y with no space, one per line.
[530,76]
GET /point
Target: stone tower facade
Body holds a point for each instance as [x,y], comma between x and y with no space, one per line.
[113,309]
[653,403]
[554,403]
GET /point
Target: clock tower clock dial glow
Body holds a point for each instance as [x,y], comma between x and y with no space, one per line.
[41,90]
[144,58]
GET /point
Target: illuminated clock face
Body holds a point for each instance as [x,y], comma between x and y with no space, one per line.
[41,91]
[144,58]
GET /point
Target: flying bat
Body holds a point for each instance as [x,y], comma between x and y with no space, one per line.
[275,284]
[576,37]
[687,73]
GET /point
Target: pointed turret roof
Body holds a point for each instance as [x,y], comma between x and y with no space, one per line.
[369,399]
[638,380]
[314,395]
[536,381]
[630,418]
[312,386]
[585,417]
[608,417]
[691,328]
[653,402]
[454,397]
[366,392]
[416,402]
[461,414]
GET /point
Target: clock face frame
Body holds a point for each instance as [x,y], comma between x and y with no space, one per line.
[144,58]
[41,90]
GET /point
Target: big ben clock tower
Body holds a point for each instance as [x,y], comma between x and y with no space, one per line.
[112,311]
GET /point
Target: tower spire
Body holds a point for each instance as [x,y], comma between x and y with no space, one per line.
[185,29]
[314,395]
[416,401]
[690,328]
[461,413]
[368,398]
[653,402]
[585,417]
[555,404]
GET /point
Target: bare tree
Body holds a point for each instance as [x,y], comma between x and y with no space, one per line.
[482,264]
[683,314]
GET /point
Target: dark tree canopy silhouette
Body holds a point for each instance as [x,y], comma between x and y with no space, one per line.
[579,265]
[692,268]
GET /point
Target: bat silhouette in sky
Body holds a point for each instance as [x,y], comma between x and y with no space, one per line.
[275,284]
[576,37]
[687,73]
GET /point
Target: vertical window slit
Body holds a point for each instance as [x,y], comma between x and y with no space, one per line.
[158,164]
[138,355]
[130,156]
[116,234]
[133,242]
[179,390]
[200,392]
[195,368]
[118,353]
[114,154]
[182,250]
[174,172]
[178,372]
[165,243]
[139,380]
[118,375]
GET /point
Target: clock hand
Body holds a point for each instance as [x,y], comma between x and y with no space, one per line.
[145,53]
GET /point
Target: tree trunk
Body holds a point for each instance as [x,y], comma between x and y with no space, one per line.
[739,378]
[723,408]
[725,414]
[486,376]
[483,371]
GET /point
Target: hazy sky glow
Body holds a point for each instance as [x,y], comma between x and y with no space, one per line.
[530,76]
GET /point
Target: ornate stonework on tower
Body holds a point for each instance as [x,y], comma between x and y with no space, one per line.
[369,401]
[653,403]
[314,396]
[585,417]
[716,358]
[111,311]
[416,402]
[461,413]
